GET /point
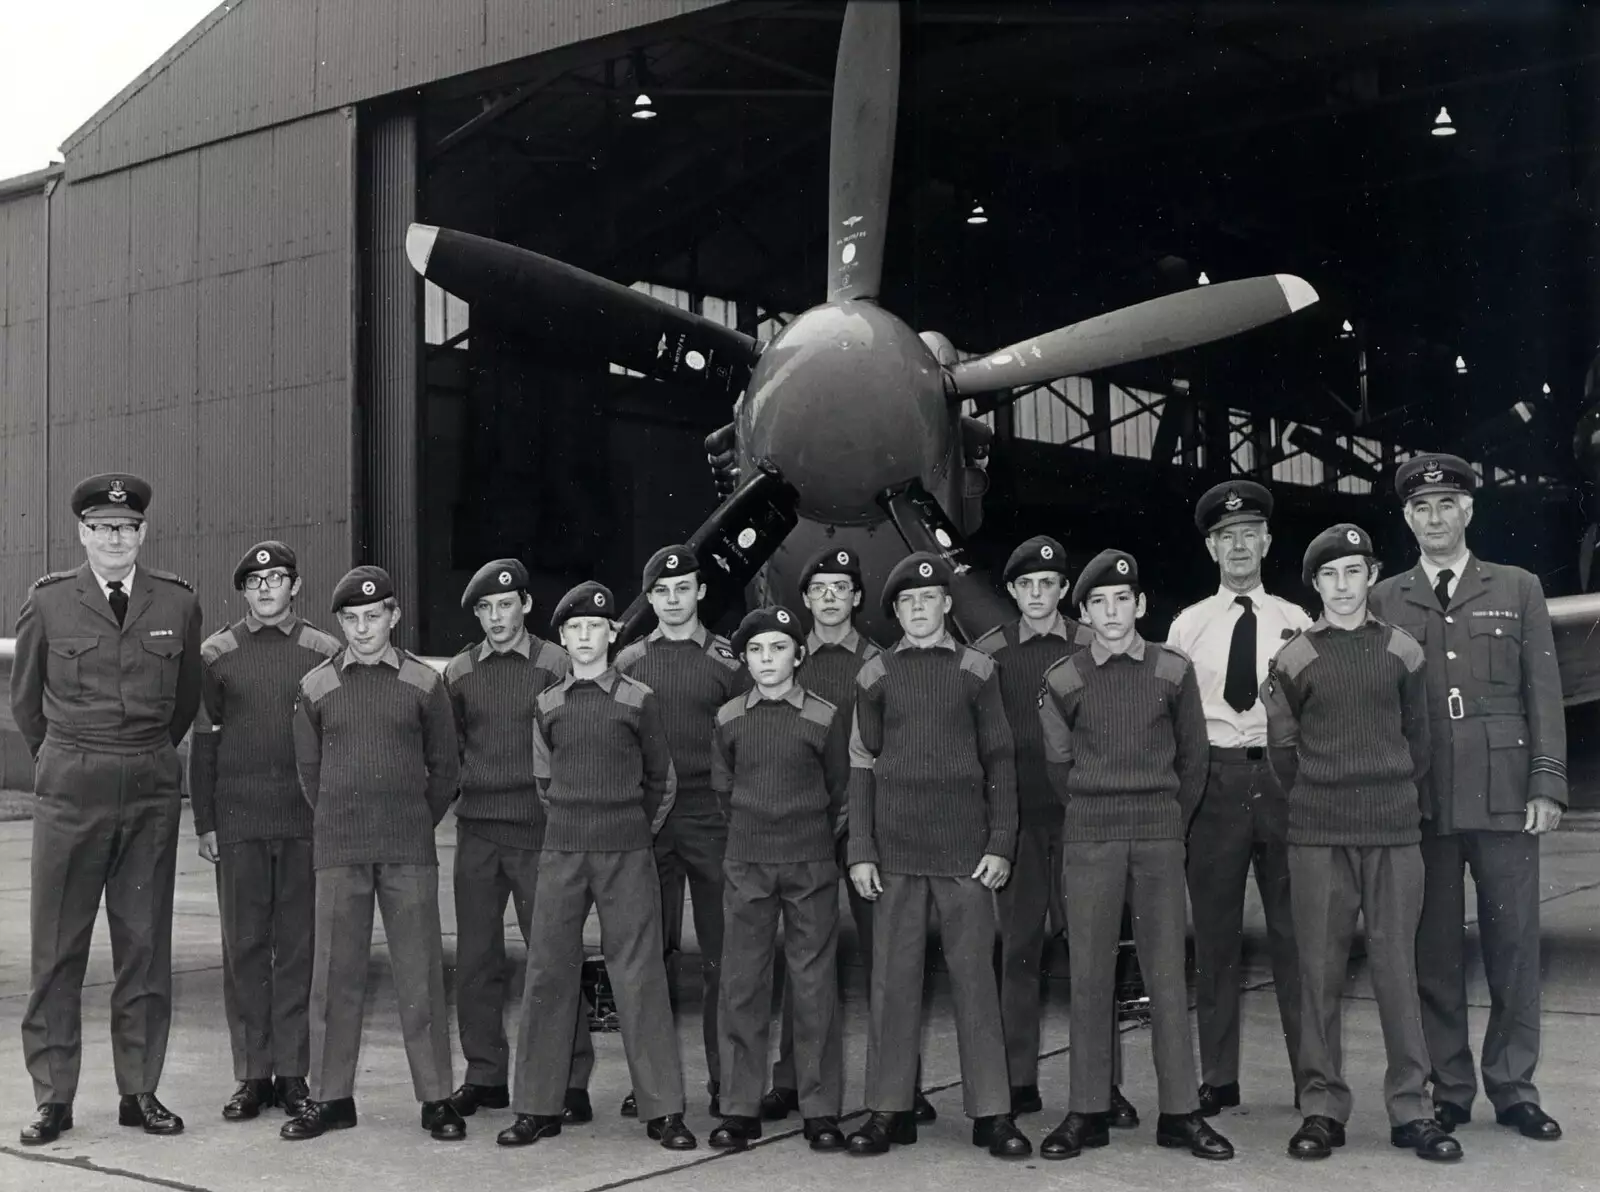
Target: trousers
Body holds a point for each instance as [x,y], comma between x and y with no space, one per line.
[267,900]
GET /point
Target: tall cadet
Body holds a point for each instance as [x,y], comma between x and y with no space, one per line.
[376,748]
[693,673]
[1348,707]
[255,826]
[500,827]
[933,818]
[1125,742]
[605,775]
[781,762]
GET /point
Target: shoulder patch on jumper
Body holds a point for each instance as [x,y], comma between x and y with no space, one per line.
[1170,664]
[869,650]
[418,673]
[818,710]
[219,643]
[552,658]
[992,642]
[721,650]
[629,655]
[550,699]
[313,639]
[871,672]
[319,681]
[460,666]
[629,693]
[976,662]
[1406,648]
[170,578]
[1083,636]
[731,711]
[1298,653]
[54,577]
[1064,677]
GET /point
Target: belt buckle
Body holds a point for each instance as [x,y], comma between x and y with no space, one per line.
[1455,705]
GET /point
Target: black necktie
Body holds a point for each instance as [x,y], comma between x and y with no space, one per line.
[118,598]
[1240,688]
[1441,587]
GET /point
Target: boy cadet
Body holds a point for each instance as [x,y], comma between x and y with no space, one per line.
[378,759]
[1347,705]
[605,777]
[933,817]
[693,673]
[500,828]
[1230,637]
[830,583]
[1498,782]
[105,684]
[781,762]
[255,826]
[1125,746]
[1035,576]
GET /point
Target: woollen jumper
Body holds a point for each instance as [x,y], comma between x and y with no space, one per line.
[242,778]
[1124,742]
[1023,661]
[933,785]
[1347,720]
[378,760]
[691,679]
[604,764]
[830,670]
[782,767]
[493,694]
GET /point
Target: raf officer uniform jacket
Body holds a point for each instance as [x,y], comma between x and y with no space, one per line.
[1494,693]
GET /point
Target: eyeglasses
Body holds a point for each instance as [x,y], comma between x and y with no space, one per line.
[113,529]
[271,581]
[840,588]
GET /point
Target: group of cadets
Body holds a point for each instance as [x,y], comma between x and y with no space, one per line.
[1358,762]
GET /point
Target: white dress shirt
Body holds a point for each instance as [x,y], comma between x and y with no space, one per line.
[1458,565]
[105,587]
[1204,632]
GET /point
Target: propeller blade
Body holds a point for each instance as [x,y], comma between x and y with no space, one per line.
[976,607]
[866,97]
[1155,328]
[521,289]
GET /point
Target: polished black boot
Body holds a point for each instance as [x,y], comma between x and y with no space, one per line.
[1316,1138]
[1076,1132]
[882,1129]
[142,1109]
[671,1133]
[735,1133]
[823,1134]
[248,1100]
[1426,1138]
[1192,1131]
[318,1118]
[49,1123]
[442,1120]
[1528,1120]
[1000,1134]
[528,1129]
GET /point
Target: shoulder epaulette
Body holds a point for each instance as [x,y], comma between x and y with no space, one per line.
[219,643]
[731,710]
[320,680]
[169,577]
[872,670]
[460,666]
[1297,653]
[1063,676]
[630,693]
[552,658]
[54,577]
[818,710]
[1406,648]
[417,672]
[318,642]
[1170,664]
[992,642]
[551,698]
[629,654]
[720,649]
[976,662]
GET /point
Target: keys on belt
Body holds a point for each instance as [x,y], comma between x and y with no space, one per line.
[1455,705]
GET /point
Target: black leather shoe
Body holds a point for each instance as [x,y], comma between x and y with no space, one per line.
[444,1121]
[671,1133]
[922,1110]
[1000,1134]
[142,1109]
[1193,1131]
[1122,1116]
[735,1133]
[470,1098]
[528,1129]
[778,1104]
[320,1117]
[880,1130]
[1215,1098]
[248,1100]
[823,1134]
[1449,1115]
[576,1107]
[630,1107]
[1530,1121]
[1025,1099]
[1316,1138]
[291,1093]
[1076,1131]
[1426,1138]
[49,1123]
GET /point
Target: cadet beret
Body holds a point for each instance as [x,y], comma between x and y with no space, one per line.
[261,556]
[1336,542]
[922,569]
[831,560]
[494,577]
[668,562]
[767,620]
[1426,474]
[588,599]
[1039,553]
[119,493]
[1110,568]
[362,585]
[1232,501]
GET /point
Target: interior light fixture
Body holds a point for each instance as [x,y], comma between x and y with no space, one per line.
[642,108]
[1443,126]
[1346,330]
[1461,365]
[1203,279]
[977,216]
[1545,389]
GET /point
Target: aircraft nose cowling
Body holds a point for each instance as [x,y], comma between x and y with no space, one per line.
[847,401]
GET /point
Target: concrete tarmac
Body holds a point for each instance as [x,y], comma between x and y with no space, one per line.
[388,1150]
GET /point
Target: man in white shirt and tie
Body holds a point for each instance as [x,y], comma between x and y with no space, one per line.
[1242,819]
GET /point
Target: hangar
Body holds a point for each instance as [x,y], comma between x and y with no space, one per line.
[212,288]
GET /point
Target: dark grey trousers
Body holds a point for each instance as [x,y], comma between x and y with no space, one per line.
[1023,904]
[689,848]
[267,900]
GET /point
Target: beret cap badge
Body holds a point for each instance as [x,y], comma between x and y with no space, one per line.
[263,556]
[925,571]
[368,587]
[1122,567]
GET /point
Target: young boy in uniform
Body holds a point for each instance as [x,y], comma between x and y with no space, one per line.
[605,776]
[781,762]
[376,747]
[933,818]
[1347,710]
[500,828]
[1125,747]
[255,826]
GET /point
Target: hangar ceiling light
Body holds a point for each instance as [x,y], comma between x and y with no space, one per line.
[1204,280]
[1461,365]
[977,216]
[642,108]
[1443,126]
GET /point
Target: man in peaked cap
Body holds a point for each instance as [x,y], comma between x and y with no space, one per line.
[1498,782]
[255,826]
[105,684]
[493,686]
[1230,637]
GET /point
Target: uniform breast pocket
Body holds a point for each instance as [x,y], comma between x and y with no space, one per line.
[70,659]
[1508,765]
[160,663]
[1496,648]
